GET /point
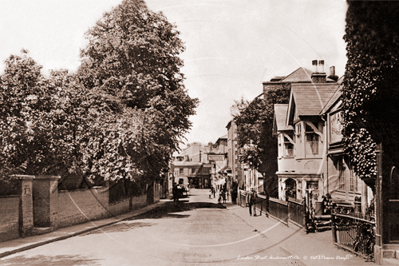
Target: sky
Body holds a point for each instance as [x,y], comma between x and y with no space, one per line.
[232,46]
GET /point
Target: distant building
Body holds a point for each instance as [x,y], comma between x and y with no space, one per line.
[197,164]
[234,169]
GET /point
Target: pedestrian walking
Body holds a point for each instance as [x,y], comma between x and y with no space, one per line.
[252,201]
[175,192]
[224,195]
[214,192]
[220,199]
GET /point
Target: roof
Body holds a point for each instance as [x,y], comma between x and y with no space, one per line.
[311,98]
[299,75]
[222,137]
[330,103]
[280,111]
[277,78]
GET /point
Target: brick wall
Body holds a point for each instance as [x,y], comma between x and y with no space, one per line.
[65,208]
[158,192]
[9,218]
[139,202]
[80,206]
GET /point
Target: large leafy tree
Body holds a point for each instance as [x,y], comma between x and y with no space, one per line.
[26,98]
[254,134]
[132,58]
[370,92]
[120,116]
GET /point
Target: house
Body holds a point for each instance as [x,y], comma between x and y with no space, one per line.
[341,182]
[196,164]
[300,131]
[216,158]
[234,170]
[188,167]
[310,148]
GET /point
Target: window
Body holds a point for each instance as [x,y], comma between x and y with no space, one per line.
[313,141]
[342,174]
[299,132]
[181,171]
[312,185]
[298,129]
[351,183]
[289,148]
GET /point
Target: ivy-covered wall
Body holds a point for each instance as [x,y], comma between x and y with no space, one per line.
[371,85]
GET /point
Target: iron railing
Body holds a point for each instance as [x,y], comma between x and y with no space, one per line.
[279,209]
[284,211]
[296,212]
[354,234]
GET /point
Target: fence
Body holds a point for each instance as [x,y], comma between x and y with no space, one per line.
[354,234]
[284,211]
[296,211]
[279,209]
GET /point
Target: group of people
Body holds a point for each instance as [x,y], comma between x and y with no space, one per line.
[222,194]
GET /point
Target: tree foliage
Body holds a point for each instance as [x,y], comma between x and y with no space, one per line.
[254,133]
[133,57]
[370,92]
[120,116]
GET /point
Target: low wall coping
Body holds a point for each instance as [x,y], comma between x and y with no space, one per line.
[9,196]
[41,177]
[24,177]
[47,177]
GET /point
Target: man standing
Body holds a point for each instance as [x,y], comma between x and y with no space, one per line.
[252,201]
[175,192]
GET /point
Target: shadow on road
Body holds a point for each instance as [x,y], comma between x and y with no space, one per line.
[172,210]
[167,210]
[42,260]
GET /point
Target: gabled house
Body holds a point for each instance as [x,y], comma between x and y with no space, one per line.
[306,102]
[300,131]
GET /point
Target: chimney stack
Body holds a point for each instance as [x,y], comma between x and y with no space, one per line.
[332,71]
[321,64]
[318,77]
[314,64]
[332,74]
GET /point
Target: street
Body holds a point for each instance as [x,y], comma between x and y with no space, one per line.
[195,231]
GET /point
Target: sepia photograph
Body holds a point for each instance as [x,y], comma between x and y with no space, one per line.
[199,132]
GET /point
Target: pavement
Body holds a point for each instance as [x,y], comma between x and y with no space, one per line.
[309,249]
[21,244]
